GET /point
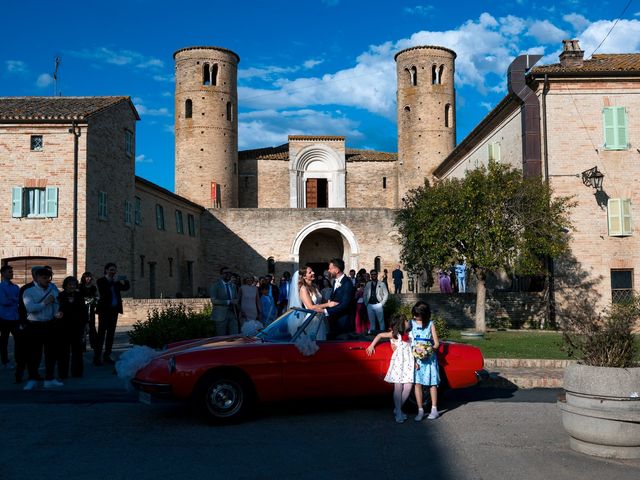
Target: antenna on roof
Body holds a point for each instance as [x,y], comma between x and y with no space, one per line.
[56,93]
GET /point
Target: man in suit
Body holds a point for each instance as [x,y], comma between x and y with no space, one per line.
[224,297]
[375,296]
[397,279]
[108,307]
[343,292]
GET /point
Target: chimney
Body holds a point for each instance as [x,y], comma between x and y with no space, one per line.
[571,55]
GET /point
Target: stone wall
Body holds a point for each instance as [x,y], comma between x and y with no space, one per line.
[136,310]
[366,187]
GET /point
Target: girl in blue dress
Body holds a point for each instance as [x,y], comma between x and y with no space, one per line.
[426,370]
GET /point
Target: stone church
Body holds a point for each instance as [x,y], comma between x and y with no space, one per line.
[256,211]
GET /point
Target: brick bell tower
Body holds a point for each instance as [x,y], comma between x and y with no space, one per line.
[206,126]
[426,112]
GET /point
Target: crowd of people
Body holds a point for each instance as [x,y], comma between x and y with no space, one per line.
[45,321]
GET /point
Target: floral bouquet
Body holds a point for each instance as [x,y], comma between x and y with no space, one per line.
[422,350]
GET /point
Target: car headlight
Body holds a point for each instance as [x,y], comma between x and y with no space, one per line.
[172,363]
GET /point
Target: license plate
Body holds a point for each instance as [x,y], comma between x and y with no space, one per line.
[144,397]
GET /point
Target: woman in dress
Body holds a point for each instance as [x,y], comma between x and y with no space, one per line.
[90,293]
[306,295]
[249,300]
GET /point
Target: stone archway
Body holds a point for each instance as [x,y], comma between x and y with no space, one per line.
[317,162]
[330,231]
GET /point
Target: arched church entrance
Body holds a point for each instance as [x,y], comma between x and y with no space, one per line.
[320,241]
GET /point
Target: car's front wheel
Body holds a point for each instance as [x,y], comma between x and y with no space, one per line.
[223,398]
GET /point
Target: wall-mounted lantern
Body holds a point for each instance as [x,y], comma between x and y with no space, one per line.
[593,178]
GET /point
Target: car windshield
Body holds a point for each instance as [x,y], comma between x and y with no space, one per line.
[290,325]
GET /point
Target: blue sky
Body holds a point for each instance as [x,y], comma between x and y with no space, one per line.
[307,67]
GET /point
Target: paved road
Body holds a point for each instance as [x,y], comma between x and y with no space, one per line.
[87,433]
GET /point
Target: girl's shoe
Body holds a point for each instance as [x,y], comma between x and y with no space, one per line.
[404,415]
[401,418]
[434,414]
[419,416]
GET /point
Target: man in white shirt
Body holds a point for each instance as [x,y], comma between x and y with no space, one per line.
[375,296]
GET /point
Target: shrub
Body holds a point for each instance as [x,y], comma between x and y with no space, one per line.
[604,340]
[173,323]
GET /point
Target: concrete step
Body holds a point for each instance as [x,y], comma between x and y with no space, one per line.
[540,363]
[524,378]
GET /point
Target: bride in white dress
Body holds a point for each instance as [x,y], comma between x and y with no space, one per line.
[306,295]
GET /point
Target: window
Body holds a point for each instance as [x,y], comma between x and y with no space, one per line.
[377,264]
[206,74]
[138,211]
[191,223]
[447,115]
[619,217]
[494,152]
[159,217]
[384,182]
[36,143]
[128,142]
[615,128]
[127,212]
[413,76]
[102,205]
[188,108]
[179,224]
[141,266]
[229,112]
[34,202]
[189,273]
[440,74]
[170,266]
[621,286]
[214,74]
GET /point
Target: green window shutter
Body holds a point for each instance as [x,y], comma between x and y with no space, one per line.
[490,147]
[615,219]
[615,128]
[496,152]
[625,214]
[16,202]
[621,128]
[52,201]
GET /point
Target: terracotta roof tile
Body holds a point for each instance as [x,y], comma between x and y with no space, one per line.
[599,63]
[55,108]
[281,152]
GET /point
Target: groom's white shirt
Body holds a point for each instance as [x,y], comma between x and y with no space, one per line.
[338,282]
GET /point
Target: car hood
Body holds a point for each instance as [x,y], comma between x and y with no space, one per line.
[213,343]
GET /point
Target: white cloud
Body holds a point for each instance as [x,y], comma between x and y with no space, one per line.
[169,78]
[271,127]
[487,105]
[44,80]
[624,38]
[15,66]
[311,63]
[577,21]
[118,57]
[546,32]
[264,73]
[152,112]
[143,159]
[422,10]
[512,25]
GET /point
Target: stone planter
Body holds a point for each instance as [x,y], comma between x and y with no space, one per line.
[602,410]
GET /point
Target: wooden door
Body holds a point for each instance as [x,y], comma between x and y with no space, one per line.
[312,193]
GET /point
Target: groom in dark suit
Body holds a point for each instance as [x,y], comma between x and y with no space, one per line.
[343,292]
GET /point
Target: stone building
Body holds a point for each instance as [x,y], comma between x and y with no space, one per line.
[256,211]
[588,131]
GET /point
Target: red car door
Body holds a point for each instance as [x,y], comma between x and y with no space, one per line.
[338,368]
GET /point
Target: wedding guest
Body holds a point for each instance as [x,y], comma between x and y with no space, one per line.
[397,276]
[426,371]
[70,329]
[41,304]
[268,306]
[9,317]
[283,294]
[224,297]
[385,278]
[445,282]
[109,306]
[375,297]
[352,277]
[249,300]
[326,290]
[401,367]
[362,324]
[90,293]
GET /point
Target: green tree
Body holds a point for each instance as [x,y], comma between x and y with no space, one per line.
[493,218]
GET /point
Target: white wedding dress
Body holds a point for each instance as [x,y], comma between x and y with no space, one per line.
[316,329]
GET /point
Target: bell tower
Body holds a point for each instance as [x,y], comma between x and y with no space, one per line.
[206,126]
[426,112]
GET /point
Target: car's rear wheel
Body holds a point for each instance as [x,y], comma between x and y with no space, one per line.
[223,398]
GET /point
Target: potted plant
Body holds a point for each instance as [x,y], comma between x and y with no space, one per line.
[601,411]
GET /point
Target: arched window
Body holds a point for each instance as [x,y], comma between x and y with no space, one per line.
[188,108]
[229,112]
[434,75]
[447,115]
[214,74]
[377,264]
[440,74]
[271,266]
[414,76]
[206,74]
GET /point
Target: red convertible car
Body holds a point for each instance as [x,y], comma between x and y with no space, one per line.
[225,376]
